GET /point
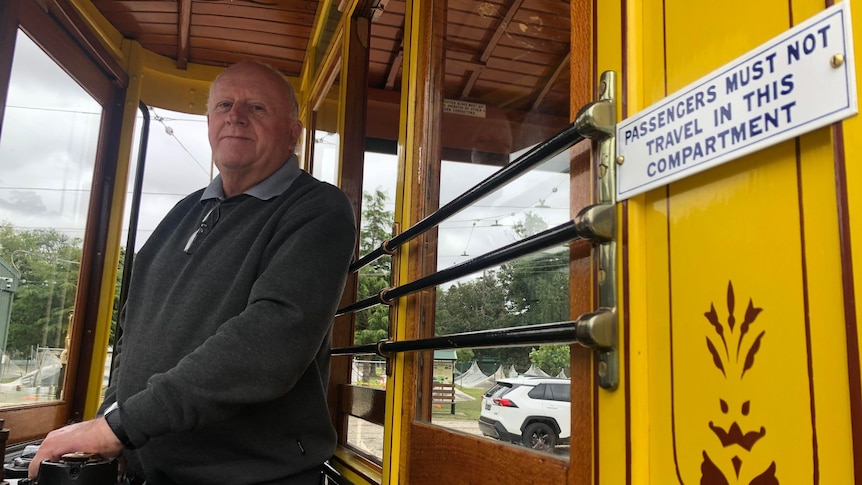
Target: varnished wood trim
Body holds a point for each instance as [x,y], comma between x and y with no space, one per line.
[68,17]
[850,318]
[64,49]
[581,187]
[101,80]
[28,423]
[431,446]
[8,33]
[352,173]
[184,23]
[363,402]
[88,298]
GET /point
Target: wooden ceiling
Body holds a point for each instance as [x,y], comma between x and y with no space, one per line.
[512,54]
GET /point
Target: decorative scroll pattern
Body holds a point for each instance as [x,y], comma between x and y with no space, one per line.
[733,349]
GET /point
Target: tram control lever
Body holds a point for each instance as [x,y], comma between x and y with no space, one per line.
[77,468]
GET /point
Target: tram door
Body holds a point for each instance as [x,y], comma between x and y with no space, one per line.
[476,86]
[740,283]
[487,83]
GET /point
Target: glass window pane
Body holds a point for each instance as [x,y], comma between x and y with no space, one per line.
[325,165]
[372,324]
[179,162]
[366,438]
[505,99]
[47,156]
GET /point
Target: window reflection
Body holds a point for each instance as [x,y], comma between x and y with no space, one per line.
[378,215]
[487,121]
[179,162]
[529,290]
[325,165]
[366,438]
[47,156]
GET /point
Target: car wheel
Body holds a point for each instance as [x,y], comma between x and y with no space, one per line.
[540,436]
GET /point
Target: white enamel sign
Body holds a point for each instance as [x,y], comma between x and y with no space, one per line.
[802,80]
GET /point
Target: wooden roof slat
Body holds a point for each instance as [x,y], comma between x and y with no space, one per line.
[500,52]
[453,63]
[245,48]
[259,38]
[527,80]
[546,20]
[183,27]
[555,7]
[394,69]
[505,69]
[501,29]
[485,7]
[456,19]
[163,40]
[394,32]
[562,67]
[512,53]
[128,6]
[141,19]
[150,29]
[272,27]
[233,8]
[471,81]
[217,57]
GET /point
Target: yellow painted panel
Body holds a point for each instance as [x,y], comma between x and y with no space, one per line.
[853,154]
[611,405]
[702,36]
[734,281]
[826,308]
[737,315]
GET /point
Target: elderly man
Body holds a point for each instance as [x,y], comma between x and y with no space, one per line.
[224,360]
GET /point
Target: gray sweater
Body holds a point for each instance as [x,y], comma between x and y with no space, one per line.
[224,360]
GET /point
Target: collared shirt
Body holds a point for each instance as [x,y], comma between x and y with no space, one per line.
[216,206]
[266,189]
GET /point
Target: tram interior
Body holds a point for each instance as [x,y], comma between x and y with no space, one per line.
[502,86]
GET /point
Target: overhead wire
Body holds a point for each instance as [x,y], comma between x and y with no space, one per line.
[170,132]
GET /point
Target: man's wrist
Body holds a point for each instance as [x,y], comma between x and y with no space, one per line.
[112,417]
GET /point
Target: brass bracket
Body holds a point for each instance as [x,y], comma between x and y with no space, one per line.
[599,330]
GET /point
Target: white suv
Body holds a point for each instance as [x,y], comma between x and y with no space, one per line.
[534,411]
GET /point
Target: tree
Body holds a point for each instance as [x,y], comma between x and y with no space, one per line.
[372,324]
[478,304]
[115,314]
[526,291]
[538,285]
[48,262]
[551,358]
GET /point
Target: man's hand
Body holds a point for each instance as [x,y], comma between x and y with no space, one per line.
[94,436]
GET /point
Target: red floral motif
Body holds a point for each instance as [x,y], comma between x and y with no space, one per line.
[736,362]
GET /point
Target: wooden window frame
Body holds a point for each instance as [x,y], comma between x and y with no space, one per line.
[60,32]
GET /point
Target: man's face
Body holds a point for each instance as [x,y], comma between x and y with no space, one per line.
[251,131]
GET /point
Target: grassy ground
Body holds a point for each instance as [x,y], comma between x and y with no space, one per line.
[468,410]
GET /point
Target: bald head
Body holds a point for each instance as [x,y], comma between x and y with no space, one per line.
[251,118]
[265,70]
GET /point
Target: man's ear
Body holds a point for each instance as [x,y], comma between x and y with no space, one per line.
[294,132]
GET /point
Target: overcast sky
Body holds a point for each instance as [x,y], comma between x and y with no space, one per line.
[46,172]
[47,152]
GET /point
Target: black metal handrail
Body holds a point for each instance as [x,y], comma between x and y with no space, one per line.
[544,333]
[556,235]
[136,203]
[539,153]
